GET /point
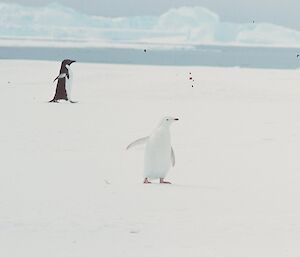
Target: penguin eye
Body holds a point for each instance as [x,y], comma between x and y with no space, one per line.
[167,119]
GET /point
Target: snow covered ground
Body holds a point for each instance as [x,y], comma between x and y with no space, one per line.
[69,188]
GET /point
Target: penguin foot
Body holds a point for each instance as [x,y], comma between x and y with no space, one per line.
[146,181]
[53,101]
[161,181]
[73,102]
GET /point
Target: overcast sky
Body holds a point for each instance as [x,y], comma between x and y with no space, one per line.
[281,12]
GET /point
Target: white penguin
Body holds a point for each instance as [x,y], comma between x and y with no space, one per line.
[159,154]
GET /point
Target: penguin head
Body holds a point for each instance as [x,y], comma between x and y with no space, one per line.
[67,62]
[168,120]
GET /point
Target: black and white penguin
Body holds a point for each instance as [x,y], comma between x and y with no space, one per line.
[64,82]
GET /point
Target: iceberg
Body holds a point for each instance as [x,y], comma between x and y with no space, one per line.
[184,25]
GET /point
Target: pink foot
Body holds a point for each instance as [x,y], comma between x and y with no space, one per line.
[161,181]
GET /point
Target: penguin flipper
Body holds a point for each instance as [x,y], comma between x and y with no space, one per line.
[139,141]
[60,76]
[172,157]
[55,79]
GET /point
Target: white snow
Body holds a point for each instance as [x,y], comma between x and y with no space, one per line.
[55,24]
[69,188]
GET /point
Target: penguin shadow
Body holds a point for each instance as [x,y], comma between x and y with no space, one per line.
[62,102]
[199,187]
[184,186]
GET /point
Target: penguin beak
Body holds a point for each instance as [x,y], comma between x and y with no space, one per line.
[72,61]
[176,119]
